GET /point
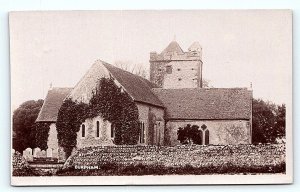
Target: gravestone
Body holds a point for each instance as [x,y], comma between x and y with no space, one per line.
[27,154]
[43,154]
[13,151]
[61,155]
[49,152]
[36,151]
[55,153]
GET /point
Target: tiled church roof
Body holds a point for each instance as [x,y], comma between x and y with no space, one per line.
[52,103]
[194,103]
[206,103]
[136,86]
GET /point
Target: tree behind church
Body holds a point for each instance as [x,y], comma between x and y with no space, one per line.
[268,121]
[23,124]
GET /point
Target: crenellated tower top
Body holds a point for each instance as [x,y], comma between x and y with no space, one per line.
[174,68]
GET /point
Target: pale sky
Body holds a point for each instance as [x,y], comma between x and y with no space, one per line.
[239,47]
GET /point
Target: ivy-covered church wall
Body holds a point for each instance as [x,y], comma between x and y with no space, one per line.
[41,134]
[91,138]
[108,101]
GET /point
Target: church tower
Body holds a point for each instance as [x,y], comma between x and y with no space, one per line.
[174,69]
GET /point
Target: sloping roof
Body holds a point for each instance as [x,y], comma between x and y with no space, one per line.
[83,90]
[173,47]
[195,47]
[208,103]
[52,103]
[136,86]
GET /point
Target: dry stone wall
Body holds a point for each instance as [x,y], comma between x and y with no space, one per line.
[178,156]
[18,161]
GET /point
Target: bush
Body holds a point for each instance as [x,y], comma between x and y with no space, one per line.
[268,121]
[190,134]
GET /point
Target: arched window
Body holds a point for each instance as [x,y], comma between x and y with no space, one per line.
[83,130]
[112,130]
[206,137]
[142,132]
[200,137]
[97,129]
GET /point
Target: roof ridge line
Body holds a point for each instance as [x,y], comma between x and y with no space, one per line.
[138,78]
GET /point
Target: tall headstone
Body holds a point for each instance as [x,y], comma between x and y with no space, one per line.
[49,152]
[43,154]
[27,154]
[61,155]
[36,151]
[55,153]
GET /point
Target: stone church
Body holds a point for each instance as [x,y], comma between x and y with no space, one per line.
[173,98]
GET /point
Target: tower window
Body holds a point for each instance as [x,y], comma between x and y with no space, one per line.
[179,79]
[193,69]
[82,130]
[178,69]
[169,69]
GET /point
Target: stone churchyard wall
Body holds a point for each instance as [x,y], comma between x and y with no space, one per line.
[193,155]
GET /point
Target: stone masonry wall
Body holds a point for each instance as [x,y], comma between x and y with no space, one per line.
[221,132]
[144,111]
[159,125]
[83,91]
[91,138]
[157,71]
[143,117]
[185,74]
[188,71]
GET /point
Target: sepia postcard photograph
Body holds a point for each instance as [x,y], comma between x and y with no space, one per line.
[151,97]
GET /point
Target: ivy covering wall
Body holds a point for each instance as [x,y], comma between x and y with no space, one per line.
[42,134]
[152,121]
[70,117]
[108,101]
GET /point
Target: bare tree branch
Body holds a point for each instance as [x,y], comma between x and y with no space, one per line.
[135,68]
